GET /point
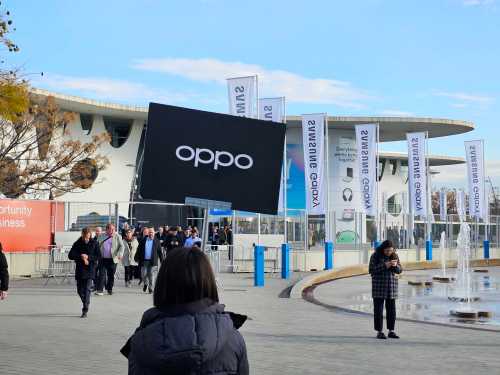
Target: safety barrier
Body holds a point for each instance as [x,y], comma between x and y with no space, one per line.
[59,265]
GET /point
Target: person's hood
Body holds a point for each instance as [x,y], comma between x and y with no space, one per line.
[183,337]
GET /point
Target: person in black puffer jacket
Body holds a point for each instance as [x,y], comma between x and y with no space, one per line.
[188,331]
[85,252]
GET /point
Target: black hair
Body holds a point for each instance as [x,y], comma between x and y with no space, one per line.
[1,247]
[384,245]
[185,276]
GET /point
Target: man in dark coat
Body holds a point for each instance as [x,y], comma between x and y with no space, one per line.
[85,252]
[171,240]
[4,274]
[384,265]
[148,254]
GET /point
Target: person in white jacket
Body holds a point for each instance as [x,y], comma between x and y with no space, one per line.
[130,248]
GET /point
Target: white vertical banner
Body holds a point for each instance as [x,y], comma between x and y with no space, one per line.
[273,109]
[242,93]
[313,137]
[443,204]
[417,173]
[474,152]
[366,141]
[460,202]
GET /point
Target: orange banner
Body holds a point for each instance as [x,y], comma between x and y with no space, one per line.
[25,225]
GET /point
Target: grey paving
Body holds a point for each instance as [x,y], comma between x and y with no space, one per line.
[40,333]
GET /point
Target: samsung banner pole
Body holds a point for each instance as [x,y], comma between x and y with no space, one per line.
[478,202]
[366,145]
[242,94]
[377,186]
[417,176]
[273,109]
[285,180]
[430,215]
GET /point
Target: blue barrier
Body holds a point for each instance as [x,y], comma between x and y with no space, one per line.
[258,256]
[486,249]
[285,261]
[328,255]
[428,250]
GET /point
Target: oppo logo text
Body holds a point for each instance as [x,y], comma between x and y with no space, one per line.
[217,158]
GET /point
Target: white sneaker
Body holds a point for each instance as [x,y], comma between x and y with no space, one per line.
[99,293]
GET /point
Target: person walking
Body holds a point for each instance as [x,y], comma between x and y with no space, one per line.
[85,252]
[172,240]
[130,245]
[384,265]
[193,240]
[147,256]
[4,275]
[99,237]
[112,249]
[187,331]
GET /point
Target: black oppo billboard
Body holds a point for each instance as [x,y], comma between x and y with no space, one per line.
[206,155]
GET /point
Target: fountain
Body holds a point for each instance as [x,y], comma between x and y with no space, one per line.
[444,278]
[463,284]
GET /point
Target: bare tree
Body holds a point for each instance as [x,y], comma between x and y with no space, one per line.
[38,158]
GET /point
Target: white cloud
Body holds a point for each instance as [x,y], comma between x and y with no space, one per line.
[110,89]
[478,2]
[465,100]
[294,87]
[465,97]
[396,113]
[452,176]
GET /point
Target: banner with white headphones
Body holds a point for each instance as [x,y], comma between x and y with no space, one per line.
[272,109]
[474,152]
[242,93]
[366,141]
[417,173]
[460,202]
[313,137]
[443,204]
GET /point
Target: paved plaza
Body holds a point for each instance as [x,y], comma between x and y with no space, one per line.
[41,333]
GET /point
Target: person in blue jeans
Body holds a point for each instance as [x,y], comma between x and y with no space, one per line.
[147,256]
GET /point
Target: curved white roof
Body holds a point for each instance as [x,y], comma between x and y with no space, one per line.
[434,160]
[391,128]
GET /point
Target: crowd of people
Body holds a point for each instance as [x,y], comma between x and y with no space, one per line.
[140,250]
[185,298]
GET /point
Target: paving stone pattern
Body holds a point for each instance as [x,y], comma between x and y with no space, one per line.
[41,333]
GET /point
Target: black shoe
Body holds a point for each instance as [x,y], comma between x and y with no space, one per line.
[144,288]
[381,335]
[110,292]
[392,335]
[150,290]
[84,314]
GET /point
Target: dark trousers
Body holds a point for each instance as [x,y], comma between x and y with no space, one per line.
[378,313]
[95,277]
[107,269]
[129,273]
[83,287]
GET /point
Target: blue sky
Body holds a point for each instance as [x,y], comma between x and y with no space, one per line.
[431,58]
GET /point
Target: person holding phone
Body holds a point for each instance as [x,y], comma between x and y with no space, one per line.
[384,265]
